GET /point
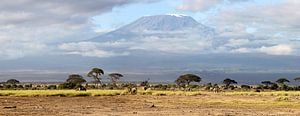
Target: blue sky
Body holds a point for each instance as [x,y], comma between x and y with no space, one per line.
[120,16]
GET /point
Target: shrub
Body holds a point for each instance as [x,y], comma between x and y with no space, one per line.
[67,86]
[193,86]
[20,86]
[28,86]
[245,87]
[51,87]
[208,86]
[231,87]
[12,81]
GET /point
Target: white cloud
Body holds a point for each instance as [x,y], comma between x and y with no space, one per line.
[198,5]
[13,51]
[267,19]
[237,42]
[45,22]
[280,49]
[242,50]
[277,50]
[203,5]
[192,43]
[181,45]
[90,49]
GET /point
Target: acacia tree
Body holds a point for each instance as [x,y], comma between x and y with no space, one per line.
[12,81]
[114,77]
[282,81]
[270,85]
[297,79]
[229,81]
[96,73]
[186,79]
[75,79]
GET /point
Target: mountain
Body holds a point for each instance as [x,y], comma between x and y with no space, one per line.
[159,47]
[162,26]
[161,23]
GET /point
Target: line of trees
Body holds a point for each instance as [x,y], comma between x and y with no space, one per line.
[76,81]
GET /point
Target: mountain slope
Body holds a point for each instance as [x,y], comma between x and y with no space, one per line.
[161,23]
[162,26]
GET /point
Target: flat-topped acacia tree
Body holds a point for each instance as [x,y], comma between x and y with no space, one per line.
[12,81]
[96,74]
[282,81]
[297,79]
[228,82]
[114,77]
[75,79]
[186,79]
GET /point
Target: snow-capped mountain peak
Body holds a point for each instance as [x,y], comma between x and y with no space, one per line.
[177,15]
[169,22]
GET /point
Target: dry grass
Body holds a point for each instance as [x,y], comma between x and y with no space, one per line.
[235,103]
[140,92]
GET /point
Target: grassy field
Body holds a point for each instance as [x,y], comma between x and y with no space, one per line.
[72,93]
[118,102]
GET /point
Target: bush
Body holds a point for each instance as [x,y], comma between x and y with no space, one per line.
[230,87]
[51,87]
[284,87]
[193,86]
[67,86]
[208,86]
[28,86]
[245,87]
[20,86]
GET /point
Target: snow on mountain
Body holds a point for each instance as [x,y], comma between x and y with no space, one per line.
[162,26]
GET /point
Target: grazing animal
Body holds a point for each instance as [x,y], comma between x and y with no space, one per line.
[81,88]
[145,88]
[132,90]
[216,89]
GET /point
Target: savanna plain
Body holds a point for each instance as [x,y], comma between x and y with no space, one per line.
[148,103]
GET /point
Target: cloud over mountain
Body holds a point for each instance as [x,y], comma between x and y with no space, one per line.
[179,34]
[28,26]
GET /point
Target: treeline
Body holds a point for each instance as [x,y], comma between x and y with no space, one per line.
[186,82]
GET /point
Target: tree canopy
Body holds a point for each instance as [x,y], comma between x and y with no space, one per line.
[96,73]
[282,81]
[229,81]
[115,76]
[297,79]
[187,79]
[75,79]
[12,81]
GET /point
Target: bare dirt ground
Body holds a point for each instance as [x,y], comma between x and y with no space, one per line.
[144,105]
